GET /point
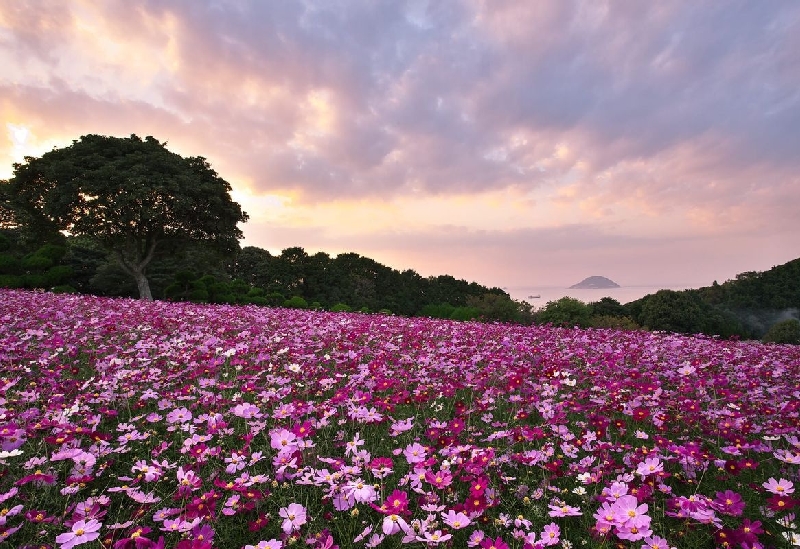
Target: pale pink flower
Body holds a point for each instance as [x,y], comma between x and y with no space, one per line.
[780,487]
[434,538]
[650,466]
[415,453]
[456,520]
[294,516]
[271,544]
[82,532]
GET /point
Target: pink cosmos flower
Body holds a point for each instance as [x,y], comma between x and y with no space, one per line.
[396,503]
[729,502]
[12,439]
[435,538]
[496,543]
[271,544]
[82,532]
[415,453]
[634,533]
[564,511]
[188,481]
[283,440]
[393,524]
[656,542]
[381,467]
[455,520]
[294,516]
[627,511]
[780,487]
[650,466]
[401,426]
[550,535]
[179,415]
[246,410]
[440,480]
[476,538]
[352,446]
[606,518]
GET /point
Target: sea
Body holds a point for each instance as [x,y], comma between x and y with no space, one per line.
[539,296]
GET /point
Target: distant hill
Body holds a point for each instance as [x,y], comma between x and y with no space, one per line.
[594,282]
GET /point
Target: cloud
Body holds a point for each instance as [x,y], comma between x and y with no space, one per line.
[657,120]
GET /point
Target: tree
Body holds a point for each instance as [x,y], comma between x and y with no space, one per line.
[566,311]
[607,306]
[673,311]
[132,195]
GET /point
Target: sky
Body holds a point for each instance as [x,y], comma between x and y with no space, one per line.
[511,143]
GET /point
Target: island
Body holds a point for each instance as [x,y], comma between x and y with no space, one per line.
[594,282]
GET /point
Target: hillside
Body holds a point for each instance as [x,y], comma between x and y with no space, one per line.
[747,306]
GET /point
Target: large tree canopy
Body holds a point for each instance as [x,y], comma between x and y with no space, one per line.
[133,195]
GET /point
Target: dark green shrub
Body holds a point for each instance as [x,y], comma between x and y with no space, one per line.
[64,289]
[438,310]
[275,299]
[9,264]
[341,308]
[787,331]
[566,311]
[296,302]
[11,281]
[53,252]
[36,262]
[614,322]
[465,313]
[58,275]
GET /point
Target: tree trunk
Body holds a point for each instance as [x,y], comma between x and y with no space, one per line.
[144,286]
[136,269]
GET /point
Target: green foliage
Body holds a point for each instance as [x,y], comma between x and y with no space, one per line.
[465,313]
[11,281]
[275,299]
[613,322]
[39,269]
[36,262]
[341,308]
[58,275]
[64,289]
[672,311]
[566,311]
[786,331]
[500,307]
[437,310]
[684,312]
[607,306]
[9,264]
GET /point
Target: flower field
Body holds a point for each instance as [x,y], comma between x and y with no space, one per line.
[129,424]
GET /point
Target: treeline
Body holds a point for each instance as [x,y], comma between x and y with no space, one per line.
[754,305]
[192,272]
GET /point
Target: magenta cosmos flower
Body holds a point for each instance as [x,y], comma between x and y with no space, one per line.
[82,532]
